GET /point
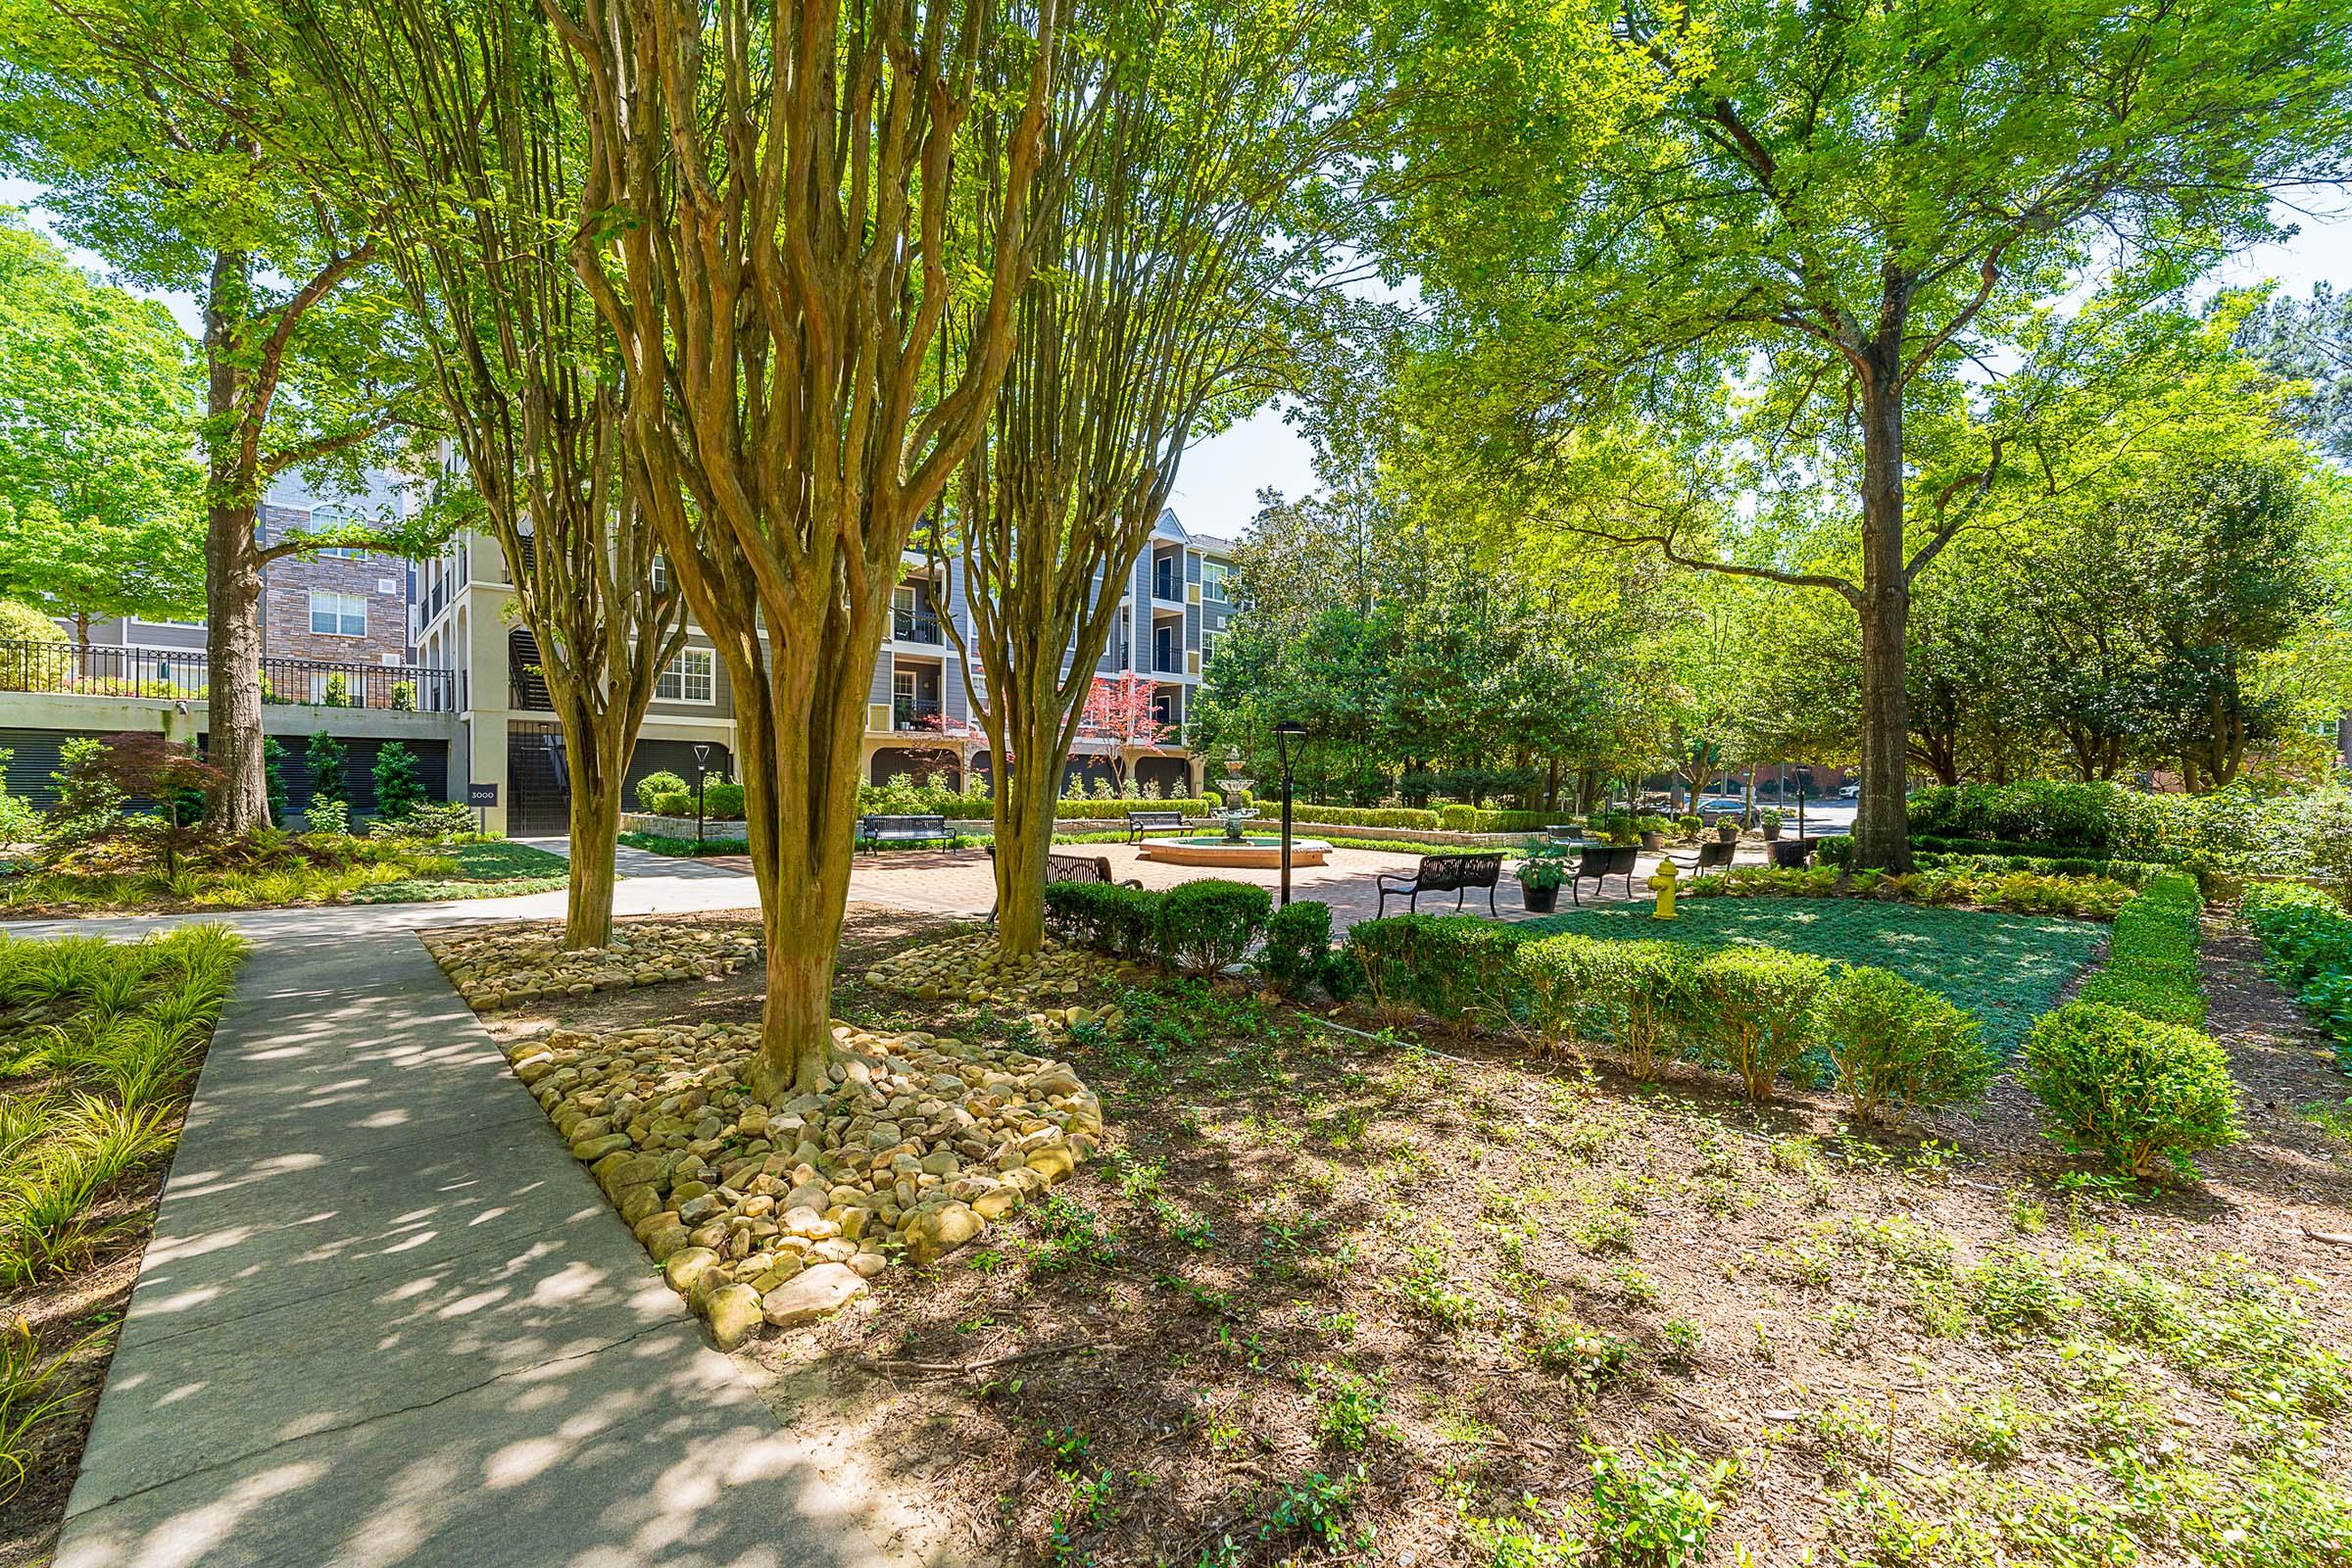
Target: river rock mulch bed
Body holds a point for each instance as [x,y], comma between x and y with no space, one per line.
[504,966]
[780,1212]
[967,968]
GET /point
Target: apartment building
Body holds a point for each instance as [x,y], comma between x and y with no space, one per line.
[336,656]
[919,715]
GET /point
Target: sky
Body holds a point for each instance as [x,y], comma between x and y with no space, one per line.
[1216,487]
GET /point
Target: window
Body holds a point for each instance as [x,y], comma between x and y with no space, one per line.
[690,678]
[1213,575]
[342,552]
[661,573]
[339,615]
[1209,648]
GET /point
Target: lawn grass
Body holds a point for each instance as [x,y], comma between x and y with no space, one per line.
[2007,970]
[485,867]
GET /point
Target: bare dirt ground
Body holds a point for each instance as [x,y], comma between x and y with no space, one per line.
[1428,1300]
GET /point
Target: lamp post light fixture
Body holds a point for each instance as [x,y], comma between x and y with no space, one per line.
[1289,730]
[702,750]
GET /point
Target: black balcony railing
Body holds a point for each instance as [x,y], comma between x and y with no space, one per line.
[84,671]
[915,626]
[1164,585]
[916,714]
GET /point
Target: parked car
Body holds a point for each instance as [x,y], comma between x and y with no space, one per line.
[1722,807]
[1853,791]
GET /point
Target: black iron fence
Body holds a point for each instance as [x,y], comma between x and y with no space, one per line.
[84,670]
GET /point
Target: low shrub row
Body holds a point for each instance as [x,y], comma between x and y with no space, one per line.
[1195,927]
[2308,938]
[2152,957]
[2086,898]
[1757,1014]
[2122,1079]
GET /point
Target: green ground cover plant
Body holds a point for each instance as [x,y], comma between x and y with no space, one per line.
[2006,969]
[276,869]
[99,1044]
[2308,940]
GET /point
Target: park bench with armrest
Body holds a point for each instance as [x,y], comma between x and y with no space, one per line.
[877,830]
[1711,856]
[1443,873]
[1140,823]
[1598,863]
[1790,854]
[1076,868]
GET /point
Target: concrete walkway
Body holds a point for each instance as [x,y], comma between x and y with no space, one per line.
[385,1318]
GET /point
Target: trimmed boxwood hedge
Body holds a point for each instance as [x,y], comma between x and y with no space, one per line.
[1198,926]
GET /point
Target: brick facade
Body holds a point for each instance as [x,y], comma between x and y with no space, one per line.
[379,584]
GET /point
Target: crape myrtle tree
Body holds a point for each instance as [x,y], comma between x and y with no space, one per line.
[1731,222]
[174,155]
[772,225]
[470,145]
[1191,214]
[101,509]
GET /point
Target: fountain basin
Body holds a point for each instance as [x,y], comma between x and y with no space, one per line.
[1215,848]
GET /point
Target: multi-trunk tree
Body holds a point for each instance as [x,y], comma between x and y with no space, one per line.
[1178,238]
[174,154]
[774,227]
[1786,231]
[469,146]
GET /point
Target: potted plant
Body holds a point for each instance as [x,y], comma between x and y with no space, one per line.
[1689,825]
[1728,829]
[1653,831]
[1541,874]
[1770,820]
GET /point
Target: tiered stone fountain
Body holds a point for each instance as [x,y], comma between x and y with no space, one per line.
[1235,846]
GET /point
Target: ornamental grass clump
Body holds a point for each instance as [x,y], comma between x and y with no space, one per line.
[1752,1012]
[2142,1093]
[1900,1046]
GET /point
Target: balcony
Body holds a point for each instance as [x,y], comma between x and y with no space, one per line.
[79,669]
[915,626]
[916,715]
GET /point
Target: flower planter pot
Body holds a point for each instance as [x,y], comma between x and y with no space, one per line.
[1540,901]
[1653,841]
[1728,832]
[1772,831]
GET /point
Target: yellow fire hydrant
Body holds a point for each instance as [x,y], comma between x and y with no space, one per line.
[1661,882]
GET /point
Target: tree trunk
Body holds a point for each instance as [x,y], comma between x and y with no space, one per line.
[232,565]
[1024,821]
[1882,828]
[232,640]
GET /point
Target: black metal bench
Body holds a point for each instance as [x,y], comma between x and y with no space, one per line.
[1790,854]
[878,830]
[1598,863]
[1075,868]
[1140,823]
[1711,856]
[1443,873]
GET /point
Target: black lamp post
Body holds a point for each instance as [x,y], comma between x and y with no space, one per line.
[702,750]
[1289,730]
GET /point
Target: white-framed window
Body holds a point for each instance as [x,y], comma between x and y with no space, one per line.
[339,615]
[691,677]
[343,553]
[1208,647]
[660,573]
[1213,578]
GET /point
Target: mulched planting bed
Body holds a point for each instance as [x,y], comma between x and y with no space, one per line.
[2008,969]
[1323,1298]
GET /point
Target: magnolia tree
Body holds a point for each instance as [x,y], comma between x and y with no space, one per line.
[774,225]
